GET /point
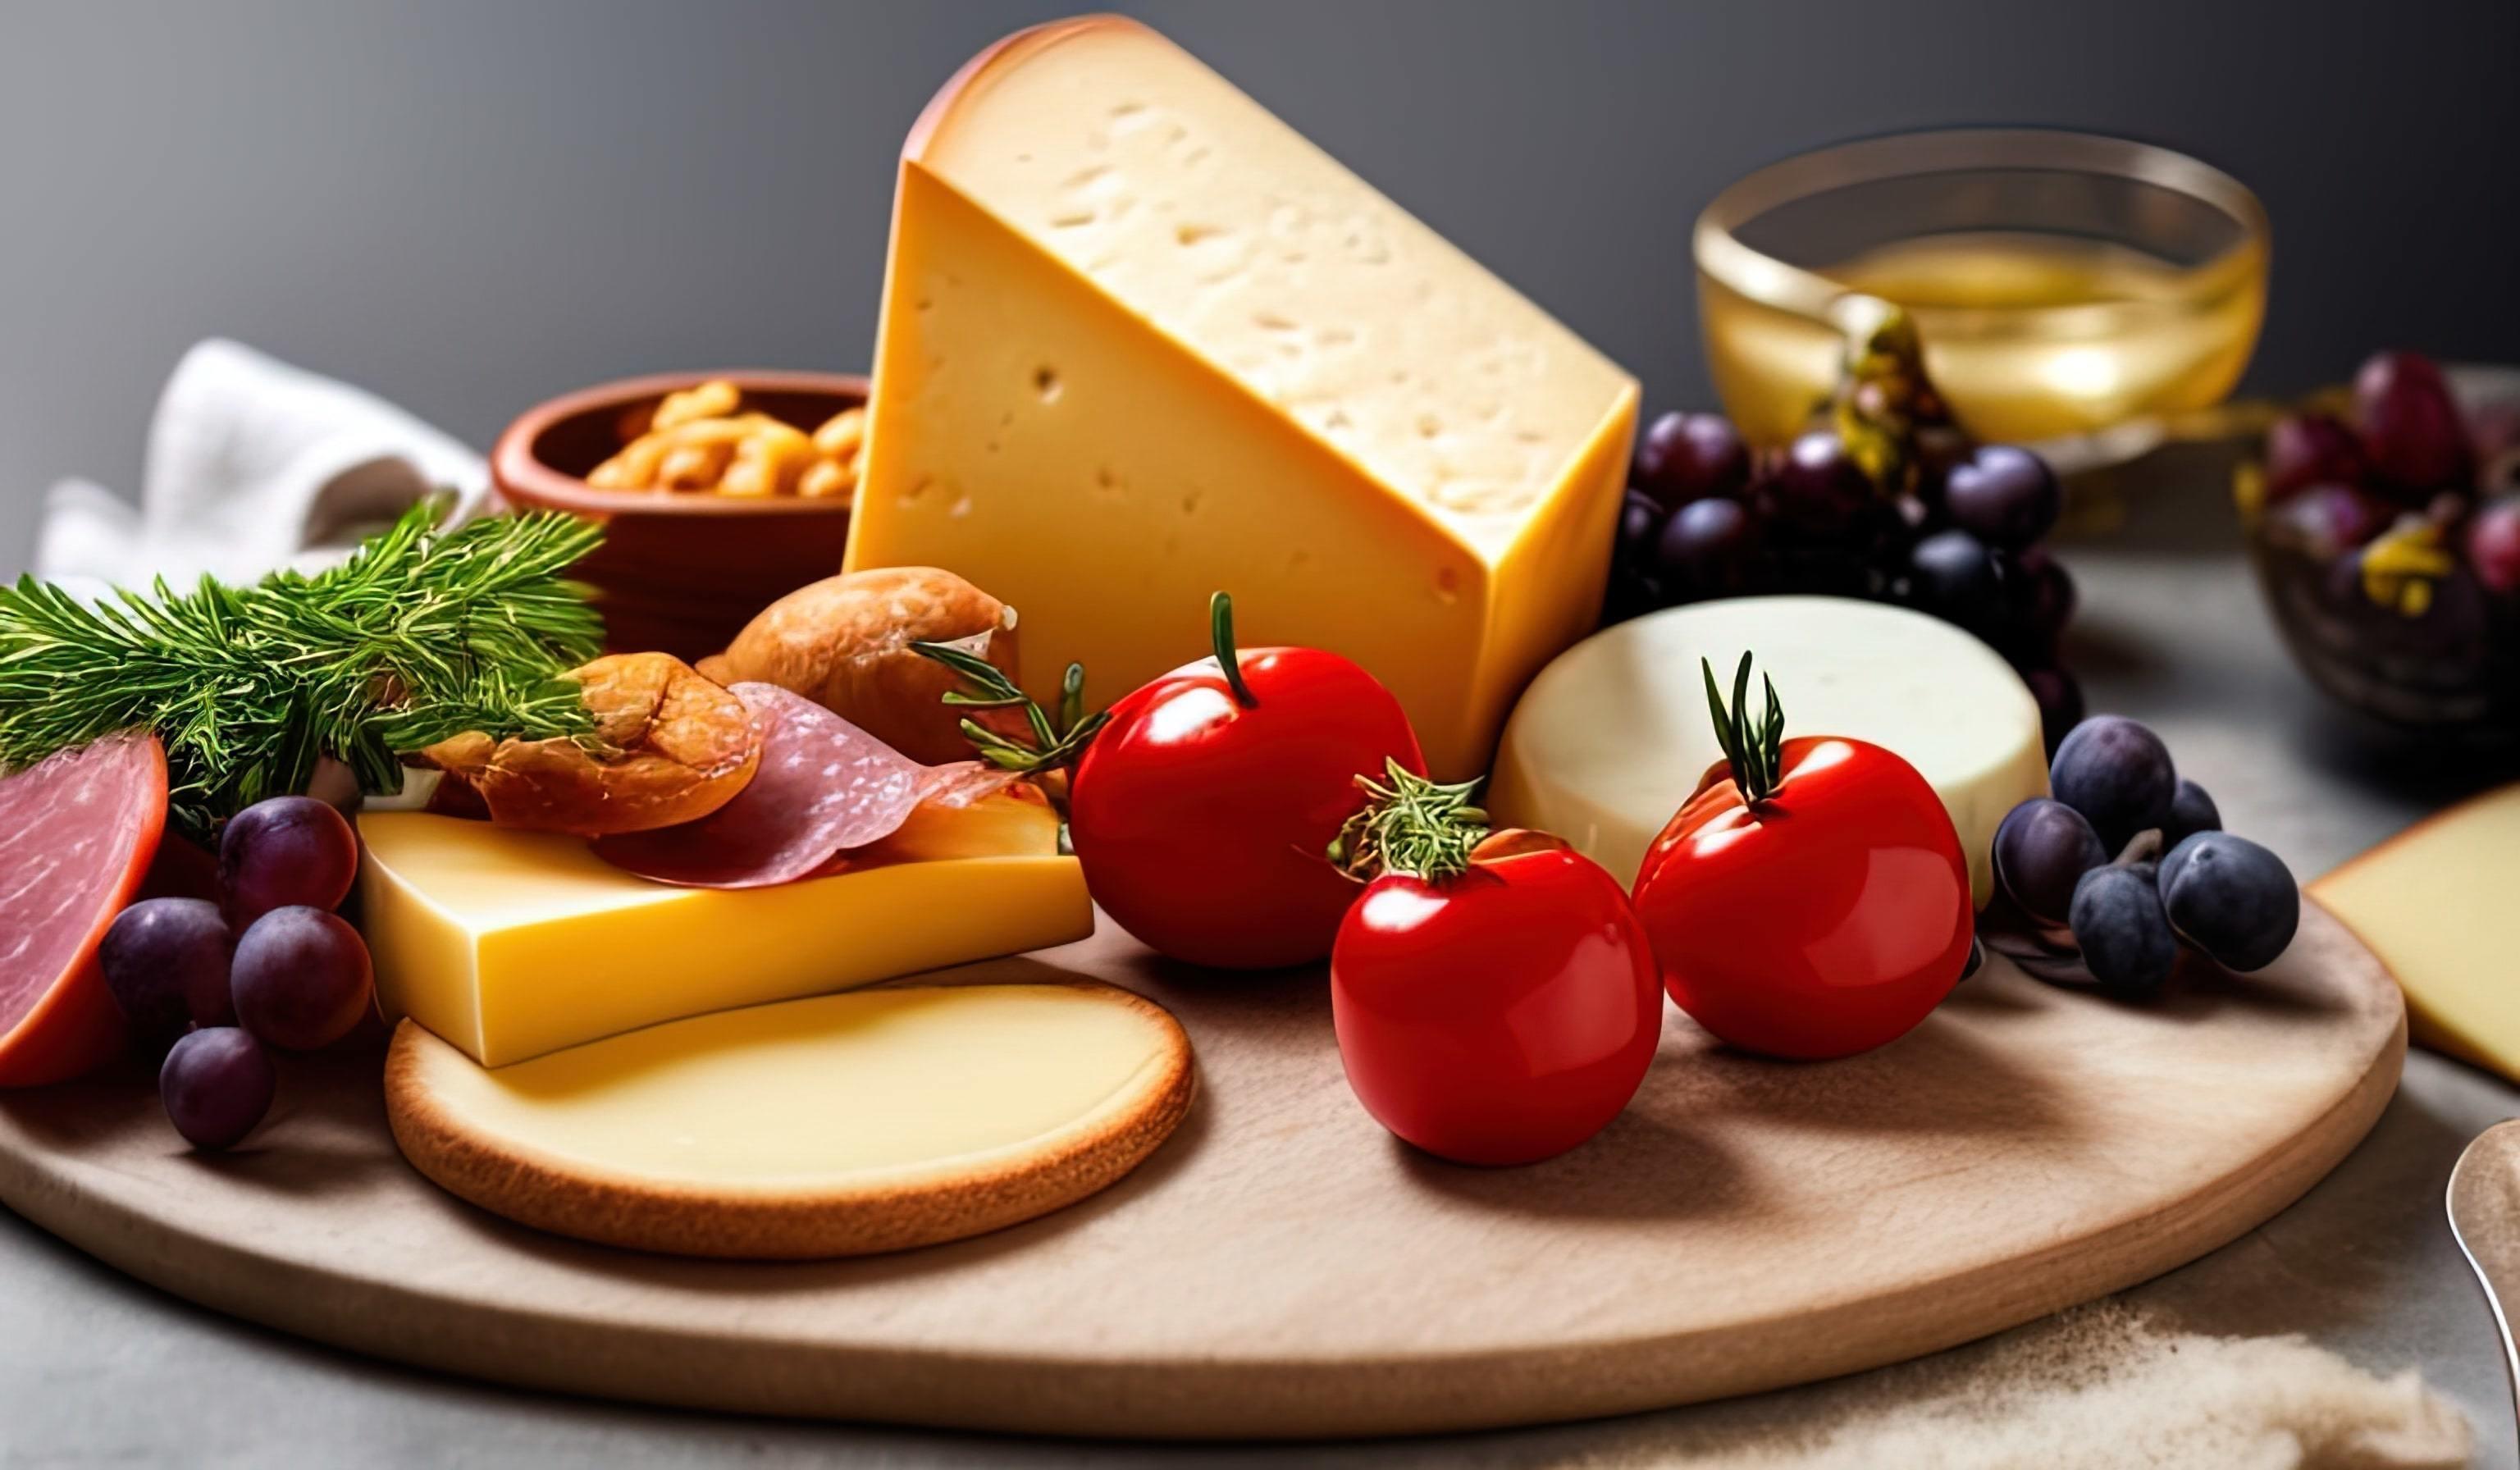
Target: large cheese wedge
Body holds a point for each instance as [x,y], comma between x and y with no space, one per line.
[513,944]
[1615,734]
[836,1125]
[2440,905]
[1141,341]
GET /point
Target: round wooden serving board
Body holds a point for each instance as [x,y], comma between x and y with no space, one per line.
[1283,1268]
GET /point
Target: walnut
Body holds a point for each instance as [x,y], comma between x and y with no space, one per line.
[669,747]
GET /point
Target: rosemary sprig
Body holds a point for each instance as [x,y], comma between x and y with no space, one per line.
[421,635]
[1752,751]
[1054,743]
[1410,825]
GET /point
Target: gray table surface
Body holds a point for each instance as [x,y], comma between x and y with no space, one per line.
[96,1369]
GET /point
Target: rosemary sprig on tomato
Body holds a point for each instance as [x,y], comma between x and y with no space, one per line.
[1493,996]
[1810,899]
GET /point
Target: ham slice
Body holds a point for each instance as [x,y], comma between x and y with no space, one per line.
[824,785]
[77,832]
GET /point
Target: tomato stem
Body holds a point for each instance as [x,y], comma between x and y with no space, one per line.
[1753,751]
[1220,631]
[1410,825]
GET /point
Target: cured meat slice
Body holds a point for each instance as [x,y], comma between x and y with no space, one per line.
[77,832]
[959,784]
[824,784]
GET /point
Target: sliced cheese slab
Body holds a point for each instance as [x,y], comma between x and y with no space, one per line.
[2436,903]
[1142,342]
[1615,734]
[513,944]
[836,1125]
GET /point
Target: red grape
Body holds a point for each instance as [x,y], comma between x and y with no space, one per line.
[166,963]
[1708,549]
[2493,544]
[2004,496]
[2410,428]
[2046,591]
[1818,492]
[216,1085]
[2311,449]
[2326,520]
[287,849]
[302,978]
[1950,576]
[1691,456]
[1640,522]
[2060,703]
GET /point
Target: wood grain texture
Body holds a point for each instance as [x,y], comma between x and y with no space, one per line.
[1284,1269]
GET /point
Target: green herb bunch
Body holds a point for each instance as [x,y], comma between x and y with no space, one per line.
[419,636]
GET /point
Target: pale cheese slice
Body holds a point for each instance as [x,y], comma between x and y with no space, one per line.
[1615,734]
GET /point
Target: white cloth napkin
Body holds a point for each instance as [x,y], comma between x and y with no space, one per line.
[252,464]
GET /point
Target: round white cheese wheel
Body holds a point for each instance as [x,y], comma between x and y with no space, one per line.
[1614,734]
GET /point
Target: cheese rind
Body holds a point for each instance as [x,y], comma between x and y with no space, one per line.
[1615,734]
[513,944]
[1142,342]
[828,1126]
[2434,903]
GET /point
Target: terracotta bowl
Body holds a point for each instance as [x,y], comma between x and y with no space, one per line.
[679,573]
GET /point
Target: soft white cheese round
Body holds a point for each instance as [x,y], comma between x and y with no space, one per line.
[1614,734]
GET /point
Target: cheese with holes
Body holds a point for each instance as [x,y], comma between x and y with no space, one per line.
[1142,342]
[1615,734]
[2434,903]
[511,944]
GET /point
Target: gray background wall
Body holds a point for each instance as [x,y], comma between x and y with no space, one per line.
[467,204]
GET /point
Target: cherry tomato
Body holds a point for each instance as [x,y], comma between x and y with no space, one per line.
[1501,1015]
[1204,810]
[1823,922]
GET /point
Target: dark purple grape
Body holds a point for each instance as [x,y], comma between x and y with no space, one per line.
[2326,521]
[1689,457]
[1630,593]
[2123,933]
[2311,449]
[1951,576]
[2410,426]
[166,963]
[216,1085]
[1818,492]
[2191,811]
[1639,526]
[2003,495]
[2117,774]
[2044,597]
[2060,703]
[302,978]
[288,850]
[2042,851]
[1709,549]
[2494,546]
[2230,898]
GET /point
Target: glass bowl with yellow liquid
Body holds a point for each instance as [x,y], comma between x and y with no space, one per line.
[2074,292]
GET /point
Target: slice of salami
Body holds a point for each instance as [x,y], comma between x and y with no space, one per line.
[959,784]
[824,785]
[76,835]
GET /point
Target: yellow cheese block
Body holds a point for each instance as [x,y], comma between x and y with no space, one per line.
[513,944]
[1142,342]
[2440,905]
[830,1126]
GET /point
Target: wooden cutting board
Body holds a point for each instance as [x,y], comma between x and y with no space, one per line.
[1284,1268]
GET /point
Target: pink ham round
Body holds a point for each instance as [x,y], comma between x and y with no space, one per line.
[77,831]
[824,786]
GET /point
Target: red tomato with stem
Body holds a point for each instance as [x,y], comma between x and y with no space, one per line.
[1496,1004]
[1811,900]
[1204,810]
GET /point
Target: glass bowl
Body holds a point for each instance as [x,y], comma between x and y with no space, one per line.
[2445,664]
[2073,292]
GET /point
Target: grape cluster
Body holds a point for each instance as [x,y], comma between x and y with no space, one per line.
[2411,505]
[2177,876]
[270,965]
[1709,516]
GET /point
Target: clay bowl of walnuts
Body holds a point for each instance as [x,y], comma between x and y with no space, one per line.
[720,492]
[2384,523]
